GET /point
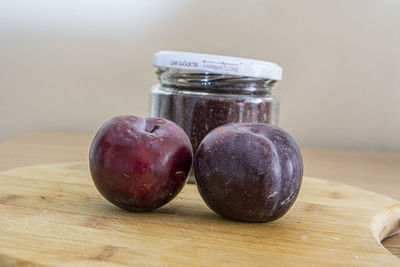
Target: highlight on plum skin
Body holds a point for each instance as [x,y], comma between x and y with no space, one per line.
[140,164]
[249,171]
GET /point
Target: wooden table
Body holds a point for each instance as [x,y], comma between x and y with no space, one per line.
[371,170]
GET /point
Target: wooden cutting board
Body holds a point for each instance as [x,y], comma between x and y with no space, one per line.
[53,215]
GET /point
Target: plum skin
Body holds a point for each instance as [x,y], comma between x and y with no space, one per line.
[249,171]
[140,164]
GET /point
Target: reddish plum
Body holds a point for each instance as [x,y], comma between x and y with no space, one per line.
[140,164]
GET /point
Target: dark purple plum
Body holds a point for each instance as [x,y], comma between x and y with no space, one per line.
[249,171]
[140,164]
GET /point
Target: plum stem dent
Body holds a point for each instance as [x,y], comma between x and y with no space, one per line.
[154,128]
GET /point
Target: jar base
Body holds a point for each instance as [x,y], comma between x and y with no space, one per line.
[191,180]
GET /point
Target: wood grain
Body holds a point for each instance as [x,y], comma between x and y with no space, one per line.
[52,214]
[376,171]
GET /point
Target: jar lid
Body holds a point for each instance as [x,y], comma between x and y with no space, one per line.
[218,64]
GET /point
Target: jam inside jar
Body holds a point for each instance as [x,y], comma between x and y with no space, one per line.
[200,102]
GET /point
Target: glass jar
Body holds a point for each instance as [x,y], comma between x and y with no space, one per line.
[200,92]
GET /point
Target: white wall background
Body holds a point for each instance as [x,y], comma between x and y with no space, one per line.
[70,65]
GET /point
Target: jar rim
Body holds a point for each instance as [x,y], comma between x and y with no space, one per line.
[218,64]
